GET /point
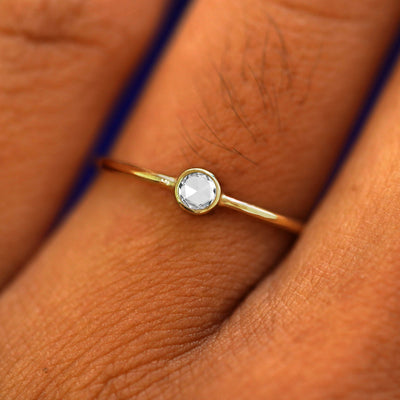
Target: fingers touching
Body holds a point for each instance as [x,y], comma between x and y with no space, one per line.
[331,312]
[260,93]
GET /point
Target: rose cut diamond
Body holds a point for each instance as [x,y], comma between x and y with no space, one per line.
[197,191]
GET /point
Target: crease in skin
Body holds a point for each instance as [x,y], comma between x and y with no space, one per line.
[56,73]
[309,85]
[39,39]
[114,381]
[42,21]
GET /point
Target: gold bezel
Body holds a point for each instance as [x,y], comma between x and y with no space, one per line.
[210,175]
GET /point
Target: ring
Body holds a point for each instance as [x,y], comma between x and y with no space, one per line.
[198,191]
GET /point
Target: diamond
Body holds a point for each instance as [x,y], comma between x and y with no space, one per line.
[197,191]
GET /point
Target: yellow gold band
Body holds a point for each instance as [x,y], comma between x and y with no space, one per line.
[213,188]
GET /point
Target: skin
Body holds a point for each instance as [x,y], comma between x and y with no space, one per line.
[131,297]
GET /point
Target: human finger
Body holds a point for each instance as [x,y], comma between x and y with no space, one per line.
[62,64]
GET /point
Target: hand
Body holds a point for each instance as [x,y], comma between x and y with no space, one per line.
[133,298]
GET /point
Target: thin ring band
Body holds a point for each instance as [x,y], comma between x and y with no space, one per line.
[200,178]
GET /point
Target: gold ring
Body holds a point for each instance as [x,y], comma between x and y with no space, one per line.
[198,192]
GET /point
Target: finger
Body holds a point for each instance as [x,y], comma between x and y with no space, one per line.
[152,280]
[57,83]
[333,308]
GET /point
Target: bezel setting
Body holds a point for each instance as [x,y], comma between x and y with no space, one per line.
[210,175]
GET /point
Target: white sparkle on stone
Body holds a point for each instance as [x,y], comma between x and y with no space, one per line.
[197,191]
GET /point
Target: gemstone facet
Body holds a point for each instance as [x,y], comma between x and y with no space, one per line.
[197,191]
